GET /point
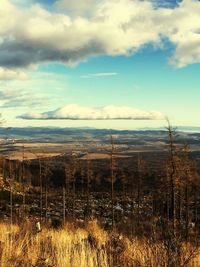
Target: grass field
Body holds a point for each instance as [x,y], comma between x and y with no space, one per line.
[86,246]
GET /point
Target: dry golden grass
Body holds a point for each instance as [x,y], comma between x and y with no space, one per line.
[81,247]
[29,155]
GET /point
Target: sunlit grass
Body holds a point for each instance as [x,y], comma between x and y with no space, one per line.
[89,246]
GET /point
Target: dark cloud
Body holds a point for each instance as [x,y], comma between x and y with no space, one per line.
[15,54]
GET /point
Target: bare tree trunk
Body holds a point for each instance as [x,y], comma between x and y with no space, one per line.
[132,208]
[72,180]
[4,169]
[172,177]
[64,205]
[180,209]
[24,203]
[74,192]
[186,212]
[153,214]
[15,164]
[168,210]
[173,206]
[11,194]
[112,183]
[195,211]
[46,201]
[138,193]
[67,189]
[23,185]
[11,206]
[40,178]
[88,189]
[11,216]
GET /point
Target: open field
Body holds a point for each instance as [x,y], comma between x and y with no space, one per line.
[96,156]
[29,156]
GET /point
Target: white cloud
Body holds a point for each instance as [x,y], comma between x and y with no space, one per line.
[100,74]
[14,98]
[76,112]
[9,74]
[186,33]
[76,6]
[35,35]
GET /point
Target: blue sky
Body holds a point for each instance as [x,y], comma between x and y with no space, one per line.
[82,63]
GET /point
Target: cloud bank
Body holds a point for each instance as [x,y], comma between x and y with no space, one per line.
[76,112]
[35,35]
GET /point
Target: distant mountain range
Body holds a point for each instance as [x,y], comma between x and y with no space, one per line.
[143,137]
[178,128]
[50,129]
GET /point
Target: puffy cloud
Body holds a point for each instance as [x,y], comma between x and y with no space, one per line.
[185,33]
[76,112]
[9,74]
[116,27]
[76,6]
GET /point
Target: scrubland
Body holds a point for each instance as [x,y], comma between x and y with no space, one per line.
[88,245]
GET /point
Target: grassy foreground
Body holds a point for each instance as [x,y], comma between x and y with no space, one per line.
[87,246]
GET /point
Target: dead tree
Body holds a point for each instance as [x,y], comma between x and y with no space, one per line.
[189,175]
[132,205]
[11,195]
[41,189]
[88,186]
[112,181]
[70,181]
[46,172]
[172,175]
[140,174]
[65,192]
[38,157]
[64,205]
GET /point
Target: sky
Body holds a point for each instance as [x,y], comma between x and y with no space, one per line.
[121,64]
